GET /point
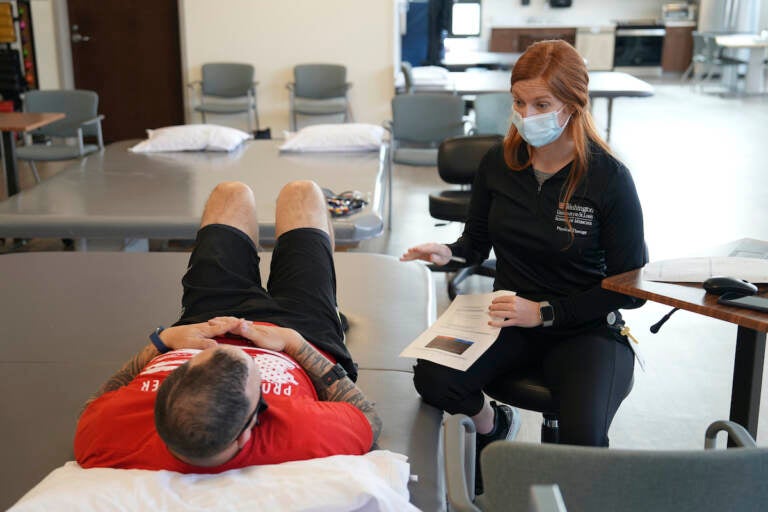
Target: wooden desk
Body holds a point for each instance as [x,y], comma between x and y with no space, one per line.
[750,338]
[755,81]
[12,122]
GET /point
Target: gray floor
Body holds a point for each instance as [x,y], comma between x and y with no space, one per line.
[698,162]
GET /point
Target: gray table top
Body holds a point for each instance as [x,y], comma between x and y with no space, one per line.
[602,84]
[117,194]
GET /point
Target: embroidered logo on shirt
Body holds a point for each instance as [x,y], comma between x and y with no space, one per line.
[581,217]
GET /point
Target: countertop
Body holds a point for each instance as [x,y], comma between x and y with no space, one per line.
[591,27]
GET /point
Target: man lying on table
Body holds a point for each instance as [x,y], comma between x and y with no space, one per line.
[235,382]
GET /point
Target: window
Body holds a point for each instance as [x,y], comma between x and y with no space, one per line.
[465,18]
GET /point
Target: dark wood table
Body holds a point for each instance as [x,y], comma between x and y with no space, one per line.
[12,122]
[750,337]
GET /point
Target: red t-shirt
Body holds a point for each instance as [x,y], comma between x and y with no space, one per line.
[117,430]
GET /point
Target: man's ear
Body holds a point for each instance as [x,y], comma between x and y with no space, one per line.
[243,439]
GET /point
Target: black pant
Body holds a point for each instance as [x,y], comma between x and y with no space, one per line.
[589,374]
[223,279]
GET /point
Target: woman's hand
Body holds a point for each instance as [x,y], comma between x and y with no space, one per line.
[431,252]
[509,310]
[196,335]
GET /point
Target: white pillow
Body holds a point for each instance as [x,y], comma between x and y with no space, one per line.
[376,481]
[191,137]
[335,137]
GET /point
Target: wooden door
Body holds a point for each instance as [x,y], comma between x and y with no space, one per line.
[128,51]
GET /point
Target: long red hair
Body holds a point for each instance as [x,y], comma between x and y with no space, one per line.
[561,67]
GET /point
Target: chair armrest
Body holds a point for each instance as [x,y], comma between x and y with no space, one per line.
[94,120]
[736,433]
[290,86]
[459,452]
[194,84]
[387,125]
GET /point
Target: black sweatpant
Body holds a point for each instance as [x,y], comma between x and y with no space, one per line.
[589,374]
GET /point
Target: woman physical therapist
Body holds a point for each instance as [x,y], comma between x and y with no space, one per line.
[561,213]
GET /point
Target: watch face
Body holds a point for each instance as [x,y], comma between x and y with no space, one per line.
[547,313]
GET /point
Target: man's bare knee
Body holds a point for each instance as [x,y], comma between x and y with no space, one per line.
[301,204]
[232,191]
[232,203]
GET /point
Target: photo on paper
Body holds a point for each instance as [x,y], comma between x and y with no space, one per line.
[449,344]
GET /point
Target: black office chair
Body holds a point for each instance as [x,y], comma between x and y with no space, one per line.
[457,161]
[529,392]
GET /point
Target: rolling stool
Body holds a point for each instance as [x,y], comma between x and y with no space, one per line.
[457,161]
[529,392]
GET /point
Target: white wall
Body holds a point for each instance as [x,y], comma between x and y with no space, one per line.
[510,13]
[276,35]
[45,44]
[581,12]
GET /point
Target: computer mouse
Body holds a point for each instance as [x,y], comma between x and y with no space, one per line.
[719,285]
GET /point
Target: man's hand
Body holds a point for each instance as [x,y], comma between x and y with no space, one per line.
[197,335]
[509,310]
[271,337]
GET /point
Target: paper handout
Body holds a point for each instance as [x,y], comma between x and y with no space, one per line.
[461,334]
[696,270]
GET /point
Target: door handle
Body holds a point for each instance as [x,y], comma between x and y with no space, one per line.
[79,38]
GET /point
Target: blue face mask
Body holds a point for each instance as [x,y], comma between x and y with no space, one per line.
[539,130]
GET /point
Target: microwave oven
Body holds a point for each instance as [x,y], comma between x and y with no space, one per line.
[678,12]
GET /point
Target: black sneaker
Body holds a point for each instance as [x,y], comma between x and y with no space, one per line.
[506,423]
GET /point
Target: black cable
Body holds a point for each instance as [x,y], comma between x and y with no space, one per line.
[655,327]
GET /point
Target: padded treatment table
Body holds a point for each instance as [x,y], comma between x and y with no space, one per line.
[70,321]
[115,195]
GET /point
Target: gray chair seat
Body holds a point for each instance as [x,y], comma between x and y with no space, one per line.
[53,152]
[224,108]
[319,107]
[425,157]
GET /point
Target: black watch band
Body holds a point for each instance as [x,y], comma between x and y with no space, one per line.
[546,314]
[334,374]
[157,342]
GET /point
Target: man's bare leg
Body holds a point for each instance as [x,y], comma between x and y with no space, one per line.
[301,204]
[232,203]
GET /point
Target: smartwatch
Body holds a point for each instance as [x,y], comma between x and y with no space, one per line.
[334,374]
[546,314]
[157,342]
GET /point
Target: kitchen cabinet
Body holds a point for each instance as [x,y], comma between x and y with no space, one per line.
[596,45]
[678,48]
[516,40]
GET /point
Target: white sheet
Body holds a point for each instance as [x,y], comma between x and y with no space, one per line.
[375,482]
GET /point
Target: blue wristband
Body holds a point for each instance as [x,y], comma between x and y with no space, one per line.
[157,342]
